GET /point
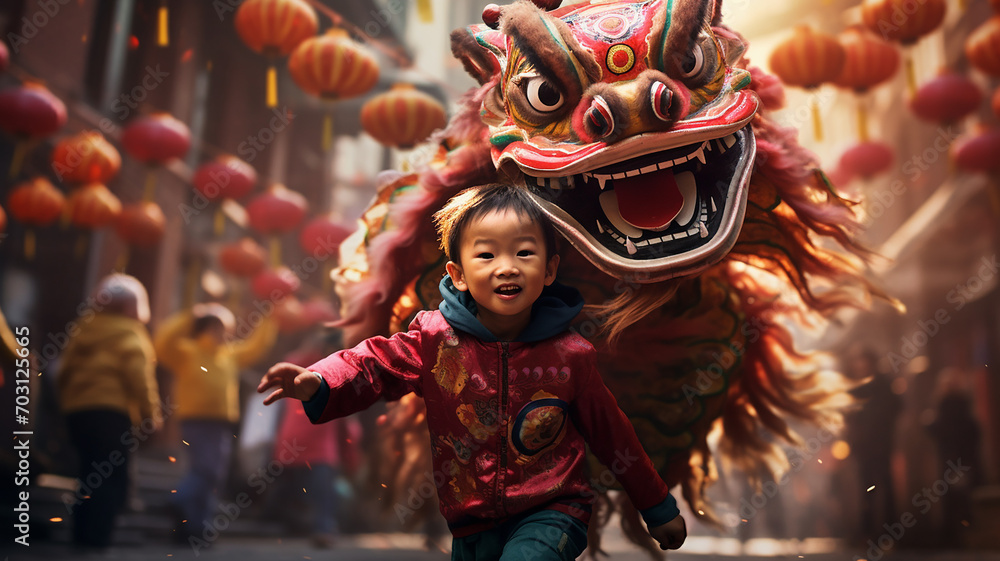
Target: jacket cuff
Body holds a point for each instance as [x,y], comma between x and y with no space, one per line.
[661,513]
[316,404]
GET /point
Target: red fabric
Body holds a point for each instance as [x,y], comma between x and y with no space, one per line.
[336,443]
[499,455]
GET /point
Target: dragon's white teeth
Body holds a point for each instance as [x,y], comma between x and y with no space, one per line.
[603,180]
[729,140]
[569,181]
[609,204]
[619,175]
[629,246]
[599,227]
[648,169]
[714,209]
[702,229]
[700,154]
[587,176]
[688,187]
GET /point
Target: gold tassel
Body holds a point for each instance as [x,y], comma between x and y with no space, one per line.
[327,132]
[425,11]
[275,252]
[149,191]
[911,75]
[29,245]
[191,282]
[220,222]
[122,261]
[81,246]
[163,35]
[862,121]
[20,149]
[272,87]
[817,121]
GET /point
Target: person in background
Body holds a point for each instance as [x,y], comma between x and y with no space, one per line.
[199,348]
[871,435]
[956,432]
[328,451]
[107,382]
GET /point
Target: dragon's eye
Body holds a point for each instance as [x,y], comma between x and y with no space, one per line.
[693,63]
[542,95]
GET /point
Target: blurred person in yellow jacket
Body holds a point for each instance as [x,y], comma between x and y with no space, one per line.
[199,347]
[108,391]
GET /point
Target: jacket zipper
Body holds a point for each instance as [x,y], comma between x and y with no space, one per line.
[502,452]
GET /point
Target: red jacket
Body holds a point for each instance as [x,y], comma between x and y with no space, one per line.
[508,421]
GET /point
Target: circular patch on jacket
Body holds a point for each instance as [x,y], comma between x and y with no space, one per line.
[538,425]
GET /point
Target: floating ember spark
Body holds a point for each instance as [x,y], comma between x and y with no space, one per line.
[870,488]
[172,459]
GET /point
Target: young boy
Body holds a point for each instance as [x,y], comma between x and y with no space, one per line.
[512,396]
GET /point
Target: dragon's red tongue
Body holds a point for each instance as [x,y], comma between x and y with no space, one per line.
[649,201]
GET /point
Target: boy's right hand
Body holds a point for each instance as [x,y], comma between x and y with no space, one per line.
[291,380]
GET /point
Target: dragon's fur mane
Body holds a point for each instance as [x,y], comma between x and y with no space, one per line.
[723,356]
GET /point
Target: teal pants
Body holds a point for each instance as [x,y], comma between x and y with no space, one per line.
[546,535]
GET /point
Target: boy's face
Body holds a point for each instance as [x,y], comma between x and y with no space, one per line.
[504,268]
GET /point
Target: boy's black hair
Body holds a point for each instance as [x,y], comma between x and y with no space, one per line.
[475,202]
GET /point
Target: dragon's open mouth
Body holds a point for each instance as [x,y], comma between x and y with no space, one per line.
[655,208]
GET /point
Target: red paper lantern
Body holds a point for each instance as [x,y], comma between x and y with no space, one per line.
[982,48]
[275,27]
[289,314]
[156,139]
[274,284]
[277,210]
[36,202]
[92,206]
[402,117]
[868,61]
[31,111]
[808,59]
[978,151]
[244,258]
[319,311]
[332,66]
[867,159]
[226,177]
[905,21]
[4,57]
[946,99]
[85,158]
[323,235]
[141,224]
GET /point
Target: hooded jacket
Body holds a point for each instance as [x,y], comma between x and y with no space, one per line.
[109,364]
[509,421]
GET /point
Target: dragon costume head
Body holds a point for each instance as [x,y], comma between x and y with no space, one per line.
[630,122]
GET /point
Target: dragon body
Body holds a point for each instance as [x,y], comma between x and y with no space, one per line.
[700,231]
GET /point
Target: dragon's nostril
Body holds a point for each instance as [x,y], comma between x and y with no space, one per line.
[660,97]
[598,118]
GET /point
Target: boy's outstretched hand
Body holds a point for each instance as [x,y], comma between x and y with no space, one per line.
[291,380]
[670,535]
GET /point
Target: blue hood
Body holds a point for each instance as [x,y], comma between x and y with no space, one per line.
[551,314]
